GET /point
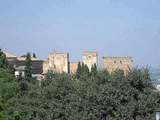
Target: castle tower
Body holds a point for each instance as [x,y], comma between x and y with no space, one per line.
[57,62]
[90,58]
[113,63]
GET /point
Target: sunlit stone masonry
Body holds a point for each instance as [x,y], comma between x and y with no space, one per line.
[113,63]
[90,58]
[59,62]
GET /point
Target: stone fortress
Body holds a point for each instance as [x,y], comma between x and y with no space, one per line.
[90,58]
[59,62]
[114,63]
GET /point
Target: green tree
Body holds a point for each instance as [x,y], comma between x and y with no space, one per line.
[3,60]
[94,70]
[102,77]
[105,96]
[34,55]
[79,70]
[84,72]
[28,67]
[8,89]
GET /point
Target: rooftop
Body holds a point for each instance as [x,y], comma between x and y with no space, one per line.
[9,55]
[24,58]
[89,52]
[116,57]
[55,52]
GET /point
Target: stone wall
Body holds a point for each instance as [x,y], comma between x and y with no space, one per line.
[90,58]
[57,62]
[114,63]
[73,67]
[45,67]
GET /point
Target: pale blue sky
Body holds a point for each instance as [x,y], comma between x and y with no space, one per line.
[110,27]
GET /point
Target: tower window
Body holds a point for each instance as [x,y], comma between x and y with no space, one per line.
[89,56]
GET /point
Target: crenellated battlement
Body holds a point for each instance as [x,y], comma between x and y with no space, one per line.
[59,62]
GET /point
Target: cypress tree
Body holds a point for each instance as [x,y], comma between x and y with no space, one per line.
[3,60]
[84,71]
[94,70]
[34,55]
[28,67]
[83,67]
[79,70]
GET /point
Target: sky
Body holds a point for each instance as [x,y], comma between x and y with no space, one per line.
[110,27]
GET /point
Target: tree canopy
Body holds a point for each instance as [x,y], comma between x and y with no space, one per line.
[34,55]
[102,97]
[28,67]
[8,89]
[92,95]
[3,60]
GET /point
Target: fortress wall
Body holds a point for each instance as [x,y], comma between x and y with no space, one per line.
[58,62]
[90,58]
[73,67]
[114,63]
[45,66]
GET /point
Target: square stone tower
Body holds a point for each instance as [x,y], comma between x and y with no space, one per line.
[90,58]
[113,63]
[57,62]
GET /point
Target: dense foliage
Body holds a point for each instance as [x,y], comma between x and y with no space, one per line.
[3,60]
[8,90]
[95,95]
[102,97]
